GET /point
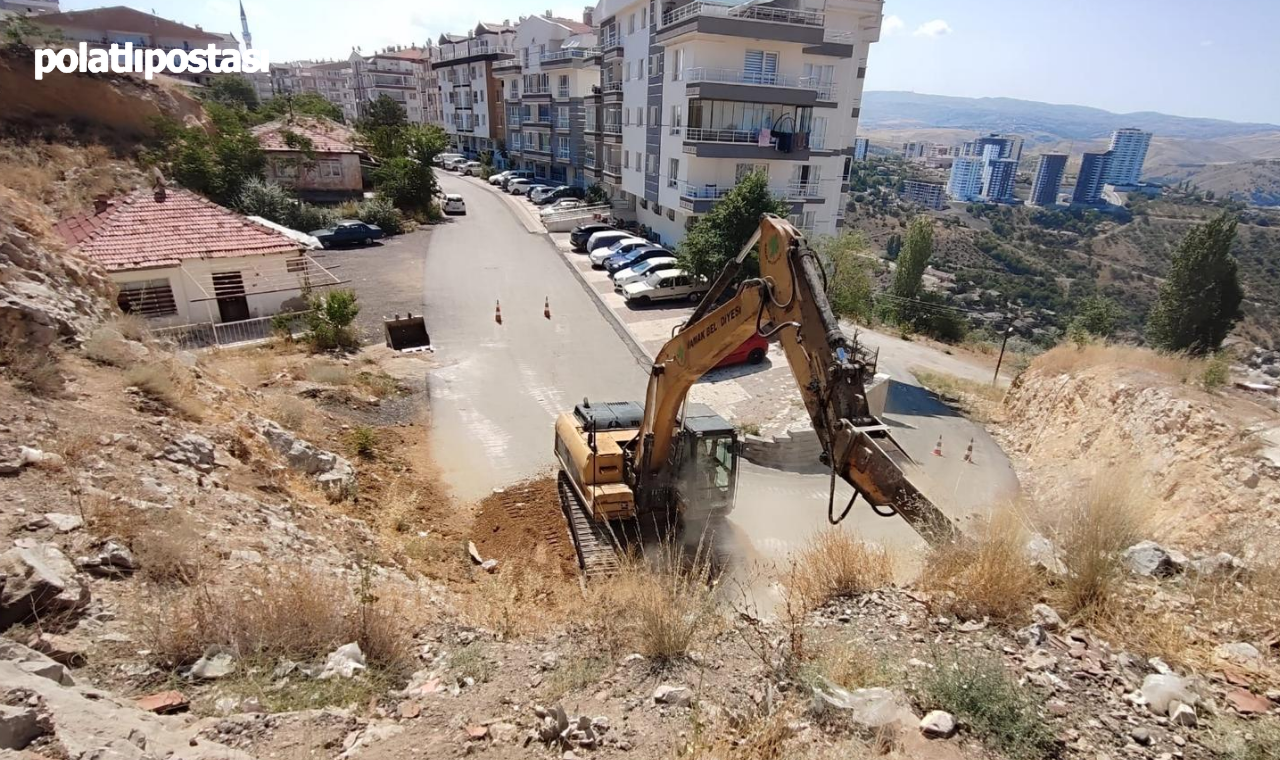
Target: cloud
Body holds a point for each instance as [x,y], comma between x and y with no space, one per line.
[935,28]
[891,24]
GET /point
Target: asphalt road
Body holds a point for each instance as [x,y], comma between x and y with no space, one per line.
[496,388]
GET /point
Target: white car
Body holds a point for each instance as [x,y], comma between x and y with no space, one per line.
[624,277]
[605,238]
[496,179]
[564,204]
[453,204]
[666,285]
[454,164]
[537,193]
[520,186]
[471,168]
[445,158]
[598,255]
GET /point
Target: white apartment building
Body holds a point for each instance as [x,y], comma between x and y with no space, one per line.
[1128,153]
[332,80]
[965,182]
[471,92]
[546,87]
[401,74]
[695,95]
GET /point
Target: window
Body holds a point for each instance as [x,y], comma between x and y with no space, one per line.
[295,266]
[562,117]
[677,117]
[631,24]
[626,159]
[862,72]
[650,163]
[655,116]
[760,67]
[285,169]
[150,298]
[673,172]
[677,64]
[639,116]
[329,169]
[644,17]
[626,117]
[818,135]
[626,75]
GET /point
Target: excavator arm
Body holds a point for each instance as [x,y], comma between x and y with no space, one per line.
[788,300]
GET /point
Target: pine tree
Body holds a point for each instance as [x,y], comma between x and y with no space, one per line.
[1200,299]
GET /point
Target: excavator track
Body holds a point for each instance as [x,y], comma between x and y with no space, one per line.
[597,551]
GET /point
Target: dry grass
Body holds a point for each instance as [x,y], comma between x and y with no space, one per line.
[328,373]
[978,401]
[1067,359]
[522,599]
[986,575]
[575,673]
[167,383]
[846,664]
[1113,513]
[289,612]
[106,346]
[165,544]
[836,565]
[1237,739]
[1245,608]
[36,372]
[659,605]
[292,413]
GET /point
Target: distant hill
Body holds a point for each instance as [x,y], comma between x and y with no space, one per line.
[884,109]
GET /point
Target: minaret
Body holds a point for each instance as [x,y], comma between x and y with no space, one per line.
[244,28]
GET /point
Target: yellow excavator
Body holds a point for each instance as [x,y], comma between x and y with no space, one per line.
[629,470]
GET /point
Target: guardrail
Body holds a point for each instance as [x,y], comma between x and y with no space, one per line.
[479,50]
[704,192]
[697,134]
[612,129]
[802,190]
[568,53]
[203,335]
[615,86]
[753,13]
[825,90]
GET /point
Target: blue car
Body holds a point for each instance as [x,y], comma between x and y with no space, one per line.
[640,253]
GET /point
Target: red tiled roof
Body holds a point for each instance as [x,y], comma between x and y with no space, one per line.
[326,136]
[139,232]
[408,54]
[118,18]
[577,27]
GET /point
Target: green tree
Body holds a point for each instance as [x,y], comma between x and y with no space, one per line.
[384,126]
[217,165]
[717,236]
[1096,316]
[596,194]
[849,282]
[302,104]
[232,90]
[1199,301]
[912,260]
[406,182]
[265,199]
[384,112]
[424,142]
[331,317]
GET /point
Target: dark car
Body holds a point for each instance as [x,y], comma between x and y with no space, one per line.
[634,254]
[583,232]
[348,232]
[565,191]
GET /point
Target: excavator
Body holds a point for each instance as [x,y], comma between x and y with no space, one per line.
[628,470]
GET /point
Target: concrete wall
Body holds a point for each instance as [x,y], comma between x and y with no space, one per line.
[268,285]
[308,172]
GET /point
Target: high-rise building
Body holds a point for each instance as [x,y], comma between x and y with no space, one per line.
[1010,146]
[927,194]
[472,101]
[546,86]
[1093,175]
[998,177]
[694,96]
[1044,190]
[860,145]
[1128,152]
[965,182]
[916,149]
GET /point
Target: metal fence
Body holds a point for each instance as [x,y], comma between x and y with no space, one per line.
[203,335]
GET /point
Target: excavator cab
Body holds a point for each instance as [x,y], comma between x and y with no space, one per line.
[705,464]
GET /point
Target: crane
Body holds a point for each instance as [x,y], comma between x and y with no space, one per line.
[626,467]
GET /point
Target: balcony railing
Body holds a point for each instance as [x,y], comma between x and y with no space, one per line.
[611,129]
[476,50]
[835,35]
[537,91]
[613,169]
[562,92]
[566,54]
[535,148]
[754,13]
[704,192]
[591,126]
[740,76]
[615,86]
[697,134]
[793,190]
[589,161]
[802,190]
[561,124]
[612,40]
[564,153]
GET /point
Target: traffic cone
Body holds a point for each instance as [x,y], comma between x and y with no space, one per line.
[968,454]
[937,450]
[546,308]
[497,312]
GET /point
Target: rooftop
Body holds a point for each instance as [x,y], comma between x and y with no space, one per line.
[326,136]
[147,229]
[118,18]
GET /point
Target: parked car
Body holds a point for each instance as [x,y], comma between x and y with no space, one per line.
[348,232]
[520,186]
[666,285]
[543,191]
[455,164]
[471,168]
[622,250]
[564,204]
[599,254]
[605,238]
[638,271]
[496,179]
[752,351]
[453,204]
[583,232]
[443,158]
[515,174]
[564,191]
[630,255]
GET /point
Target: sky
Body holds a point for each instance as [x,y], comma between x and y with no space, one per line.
[1185,57]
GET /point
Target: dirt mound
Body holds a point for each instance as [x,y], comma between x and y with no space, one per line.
[1203,457]
[523,523]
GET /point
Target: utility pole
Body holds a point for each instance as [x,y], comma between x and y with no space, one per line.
[1003,342]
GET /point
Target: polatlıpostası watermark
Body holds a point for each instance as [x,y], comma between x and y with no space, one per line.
[150,61]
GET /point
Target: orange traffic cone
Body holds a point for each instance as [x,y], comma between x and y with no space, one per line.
[968,454]
[497,312]
[937,450]
[546,308]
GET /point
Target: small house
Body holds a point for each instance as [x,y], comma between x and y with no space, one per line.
[316,157]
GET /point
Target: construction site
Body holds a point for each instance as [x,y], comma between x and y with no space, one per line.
[514,517]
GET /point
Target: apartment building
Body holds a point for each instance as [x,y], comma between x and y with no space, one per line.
[398,73]
[928,194]
[916,150]
[965,181]
[471,92]
[860,145]
[1093,175]
[546,87]
[695,95]
[1044,190]
[1128,153]
[998,178]
[331,80]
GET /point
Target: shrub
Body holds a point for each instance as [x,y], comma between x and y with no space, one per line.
[381,212]
[106,346]
[36,372]
[364,441]
[979,692]
[265,199]
[470,661]
[836,565]
[1216,372]
[988,576]
[331,317]
[329,373]
[1112,516]
[167,383]
[289,412]
[305,217]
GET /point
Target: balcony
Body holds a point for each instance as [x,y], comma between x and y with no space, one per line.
[564,154]
[533,92]
[513,96]
[613,169]
[589,161]
[567,55]
[753,13]
[611,129]
[697,134]
[562,93]
[743,21]
[733,77]
[611,41]
[591,126]
[536,148]
[802,191]
[744,144]
[475,50]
